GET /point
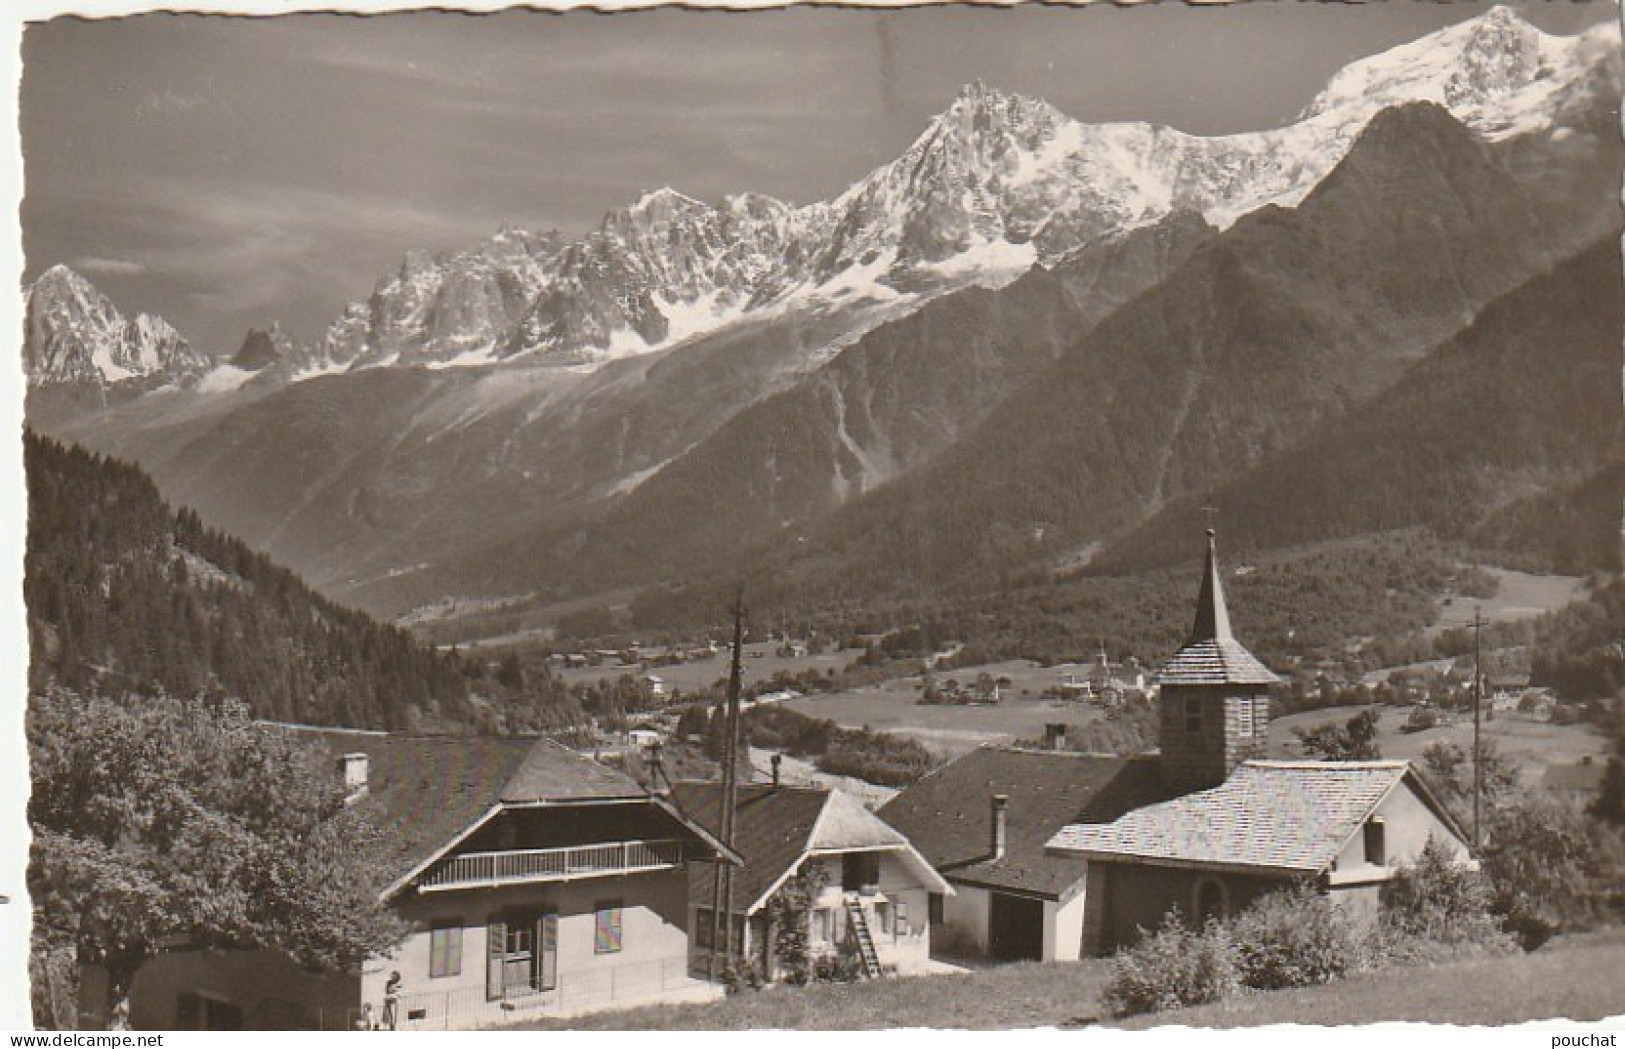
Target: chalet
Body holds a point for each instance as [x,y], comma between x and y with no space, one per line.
[1234,826]
[984,820]
[874,889]
[1348,826]
[536,882]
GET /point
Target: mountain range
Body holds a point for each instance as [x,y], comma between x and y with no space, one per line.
[1026,343]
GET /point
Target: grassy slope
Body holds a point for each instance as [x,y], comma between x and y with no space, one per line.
[1578,978]
[1531,746]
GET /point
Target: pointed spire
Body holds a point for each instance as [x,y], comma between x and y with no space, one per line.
[1212,618]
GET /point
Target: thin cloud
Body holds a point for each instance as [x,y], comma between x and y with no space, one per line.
[93,266]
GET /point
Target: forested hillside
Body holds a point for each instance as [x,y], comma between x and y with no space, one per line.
[126,594]
[1504,434]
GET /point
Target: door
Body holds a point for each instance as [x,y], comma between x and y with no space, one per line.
[522,954]
[1015,927]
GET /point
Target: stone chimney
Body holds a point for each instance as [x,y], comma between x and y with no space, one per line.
[1001,803]
[354,767]
[776,761]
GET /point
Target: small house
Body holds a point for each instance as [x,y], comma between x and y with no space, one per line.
[984,820]
[872,885]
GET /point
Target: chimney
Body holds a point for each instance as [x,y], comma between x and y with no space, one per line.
[354,767]
[1000,803]
[776,761]
[1055,735]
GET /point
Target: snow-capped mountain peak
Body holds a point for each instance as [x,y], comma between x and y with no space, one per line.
[1496,73]
[994,183]
[76,335]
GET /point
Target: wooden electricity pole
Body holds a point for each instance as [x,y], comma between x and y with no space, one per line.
[722,881]
[1478,753]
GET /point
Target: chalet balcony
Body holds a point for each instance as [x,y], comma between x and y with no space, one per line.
[517,866]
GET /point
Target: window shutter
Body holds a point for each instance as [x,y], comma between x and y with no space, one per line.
[446,951]
[1376,845]
[496,947]
[607,928]
[547,951]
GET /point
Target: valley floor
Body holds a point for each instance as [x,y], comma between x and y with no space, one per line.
[1578,978]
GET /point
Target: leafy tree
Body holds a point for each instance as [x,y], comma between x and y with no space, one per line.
[1545,865]
[1609,804]
[1354,740]
[1449,770]
[510,673]
[156,820]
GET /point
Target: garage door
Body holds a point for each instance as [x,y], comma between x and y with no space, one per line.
[1015,927]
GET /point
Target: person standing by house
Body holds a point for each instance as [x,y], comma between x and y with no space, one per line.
[392,1000]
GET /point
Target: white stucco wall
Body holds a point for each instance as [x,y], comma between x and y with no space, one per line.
[1063,929]
[1407,823]
[654,947]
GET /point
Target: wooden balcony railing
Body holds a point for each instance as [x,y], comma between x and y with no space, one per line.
[472,869]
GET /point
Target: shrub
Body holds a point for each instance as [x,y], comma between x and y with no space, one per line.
[742,976]
[1172,968]
[1294,938]
[839,967]
[1440,902]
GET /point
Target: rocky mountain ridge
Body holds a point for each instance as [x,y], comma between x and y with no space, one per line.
[994,184]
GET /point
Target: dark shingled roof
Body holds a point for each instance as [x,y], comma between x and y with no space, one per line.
[423,791]
[553,772]
[947,814]
[1215,662]
[772,830]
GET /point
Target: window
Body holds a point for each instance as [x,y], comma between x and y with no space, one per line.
[1193,714]
[1244,716]
[606,927]
[702,928]
[883,918]
[1376,847]
[860,870]
[446,950]
[900,922]
[1261,716]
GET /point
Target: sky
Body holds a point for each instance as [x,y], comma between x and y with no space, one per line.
[228,172]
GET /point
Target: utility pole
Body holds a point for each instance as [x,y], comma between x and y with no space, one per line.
[722,881]
[1478,753]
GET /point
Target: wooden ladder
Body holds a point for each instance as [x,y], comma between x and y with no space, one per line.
[860,934]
